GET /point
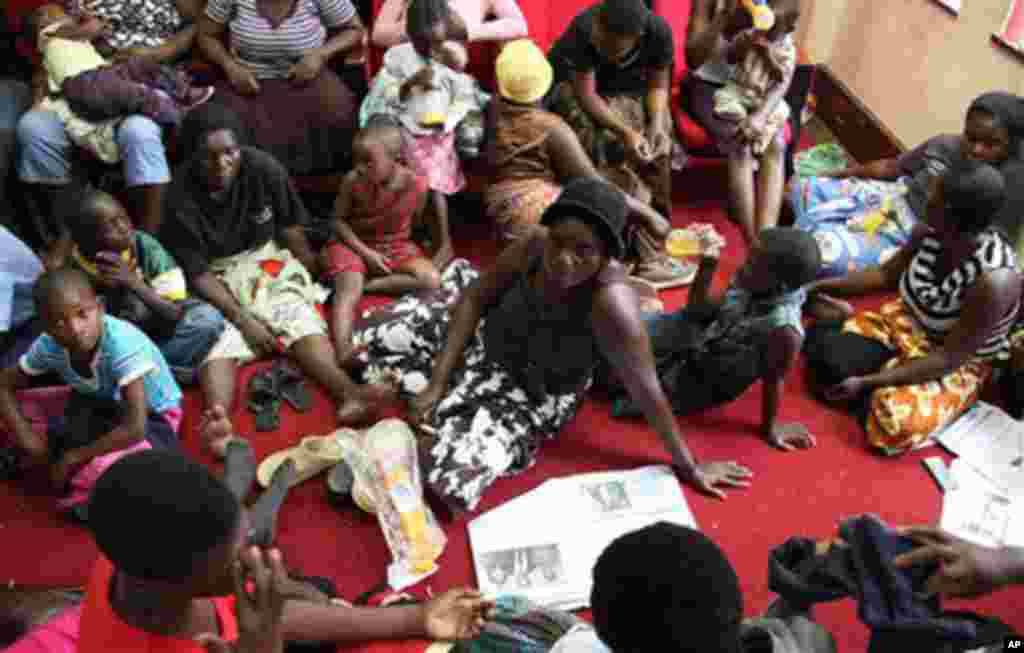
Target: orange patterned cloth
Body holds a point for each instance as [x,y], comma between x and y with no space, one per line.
[902,417]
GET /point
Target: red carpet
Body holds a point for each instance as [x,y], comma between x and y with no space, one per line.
[803,493]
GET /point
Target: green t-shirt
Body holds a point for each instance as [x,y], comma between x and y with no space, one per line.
[154,264]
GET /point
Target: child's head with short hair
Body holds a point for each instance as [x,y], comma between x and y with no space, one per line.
[783,260]
[787,14]
[98,222]
[966,199]
[377,150]
[69,309]
[426,24]
[666,587]
[162,518]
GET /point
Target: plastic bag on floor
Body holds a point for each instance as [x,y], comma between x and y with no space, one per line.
[387,474]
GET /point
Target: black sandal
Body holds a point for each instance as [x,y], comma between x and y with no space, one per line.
[265,401]
[291,386]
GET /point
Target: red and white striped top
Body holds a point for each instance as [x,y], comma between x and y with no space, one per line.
[269,50]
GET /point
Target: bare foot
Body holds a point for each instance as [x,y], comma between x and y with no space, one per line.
[367,404]
[216,430]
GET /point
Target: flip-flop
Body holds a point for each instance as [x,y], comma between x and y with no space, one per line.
[292,386]
[313,455]
[339,484]
[264,400]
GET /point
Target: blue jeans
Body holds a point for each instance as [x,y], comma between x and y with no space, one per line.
[193,338]
[45,148]
[15,99]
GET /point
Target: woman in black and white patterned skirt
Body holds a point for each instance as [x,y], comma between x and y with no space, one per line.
[497,363]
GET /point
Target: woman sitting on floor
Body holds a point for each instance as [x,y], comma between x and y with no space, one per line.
[533,152]
[279,77]
[835,207]
[922,360]
[235,224]
[499,363]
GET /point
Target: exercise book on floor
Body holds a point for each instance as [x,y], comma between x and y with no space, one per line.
[544,543]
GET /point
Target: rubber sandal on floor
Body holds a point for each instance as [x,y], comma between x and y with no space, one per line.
[313,455]
[264,400]
[291,384]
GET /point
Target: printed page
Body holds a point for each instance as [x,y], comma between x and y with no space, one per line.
[977,510]
[544,544]
[992,442]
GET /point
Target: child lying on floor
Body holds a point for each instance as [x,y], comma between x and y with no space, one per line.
[712,350]
[123,399]
[141,283]
[97,89]
[378,204]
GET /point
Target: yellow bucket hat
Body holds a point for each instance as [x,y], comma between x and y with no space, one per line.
[523,72]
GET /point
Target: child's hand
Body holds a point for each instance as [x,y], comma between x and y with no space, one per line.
[259,608]
[377,263]
[114,271]
[791,436]
[711,243]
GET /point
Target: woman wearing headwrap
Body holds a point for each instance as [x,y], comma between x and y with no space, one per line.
[498,363]
[863,214]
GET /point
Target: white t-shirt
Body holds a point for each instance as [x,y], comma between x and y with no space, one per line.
[581,639]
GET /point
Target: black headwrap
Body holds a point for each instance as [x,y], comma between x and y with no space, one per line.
[1008,109]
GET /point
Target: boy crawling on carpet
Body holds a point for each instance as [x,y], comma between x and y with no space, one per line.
[712,350]
[166,583]
[379,203]
[123,399]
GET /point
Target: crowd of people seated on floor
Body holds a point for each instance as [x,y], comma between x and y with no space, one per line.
[203,256]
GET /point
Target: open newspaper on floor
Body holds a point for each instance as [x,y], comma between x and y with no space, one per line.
[543,544]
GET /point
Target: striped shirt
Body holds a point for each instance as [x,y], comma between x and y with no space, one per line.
[936,303]
[269,50]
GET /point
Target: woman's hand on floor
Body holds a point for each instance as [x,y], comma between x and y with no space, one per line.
[791,436]
[965,570]
[242,79]
[456,614]
[707,477]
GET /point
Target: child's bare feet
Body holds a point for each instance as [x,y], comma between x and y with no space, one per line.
[216,430]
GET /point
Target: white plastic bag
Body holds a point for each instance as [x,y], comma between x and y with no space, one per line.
[386,469]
